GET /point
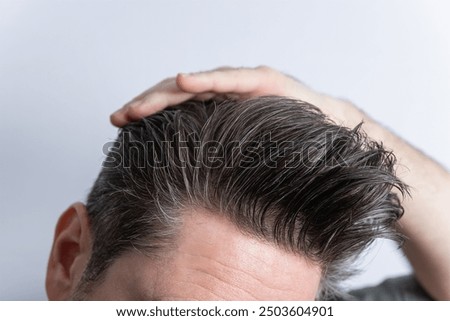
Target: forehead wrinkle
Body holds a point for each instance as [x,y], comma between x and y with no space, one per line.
[211,291]
[226,283]
[243,259]
[228,266]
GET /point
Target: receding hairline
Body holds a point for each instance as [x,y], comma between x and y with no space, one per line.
[209,230]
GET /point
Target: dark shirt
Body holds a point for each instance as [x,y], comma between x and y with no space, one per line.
[405,288]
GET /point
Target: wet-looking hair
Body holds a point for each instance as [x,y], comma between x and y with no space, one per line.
[277,168]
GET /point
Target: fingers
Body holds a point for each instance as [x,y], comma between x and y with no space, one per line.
[164,94]
[223,82]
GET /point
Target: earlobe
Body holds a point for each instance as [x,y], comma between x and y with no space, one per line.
[70,252]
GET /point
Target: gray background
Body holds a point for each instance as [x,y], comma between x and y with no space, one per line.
[66,65]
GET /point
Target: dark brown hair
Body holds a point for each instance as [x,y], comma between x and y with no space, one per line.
[277,168]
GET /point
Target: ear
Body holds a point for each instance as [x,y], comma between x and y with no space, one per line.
[70,252]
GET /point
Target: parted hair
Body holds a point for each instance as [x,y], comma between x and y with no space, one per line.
[277,168]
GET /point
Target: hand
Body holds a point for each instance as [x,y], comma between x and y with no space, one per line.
[221,82]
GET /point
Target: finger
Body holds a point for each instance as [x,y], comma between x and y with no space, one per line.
[131,112]
[149,102]
[204,96]
[158,87]
[139,109]
[167,85]
[238,81]
[150,105]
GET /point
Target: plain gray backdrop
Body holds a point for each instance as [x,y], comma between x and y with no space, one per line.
[66,65]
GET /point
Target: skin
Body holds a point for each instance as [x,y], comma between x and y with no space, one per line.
[244,268]
[426,223]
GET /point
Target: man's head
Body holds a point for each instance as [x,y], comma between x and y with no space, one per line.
[257,199]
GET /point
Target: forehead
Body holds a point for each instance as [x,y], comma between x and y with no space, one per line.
[214,261]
